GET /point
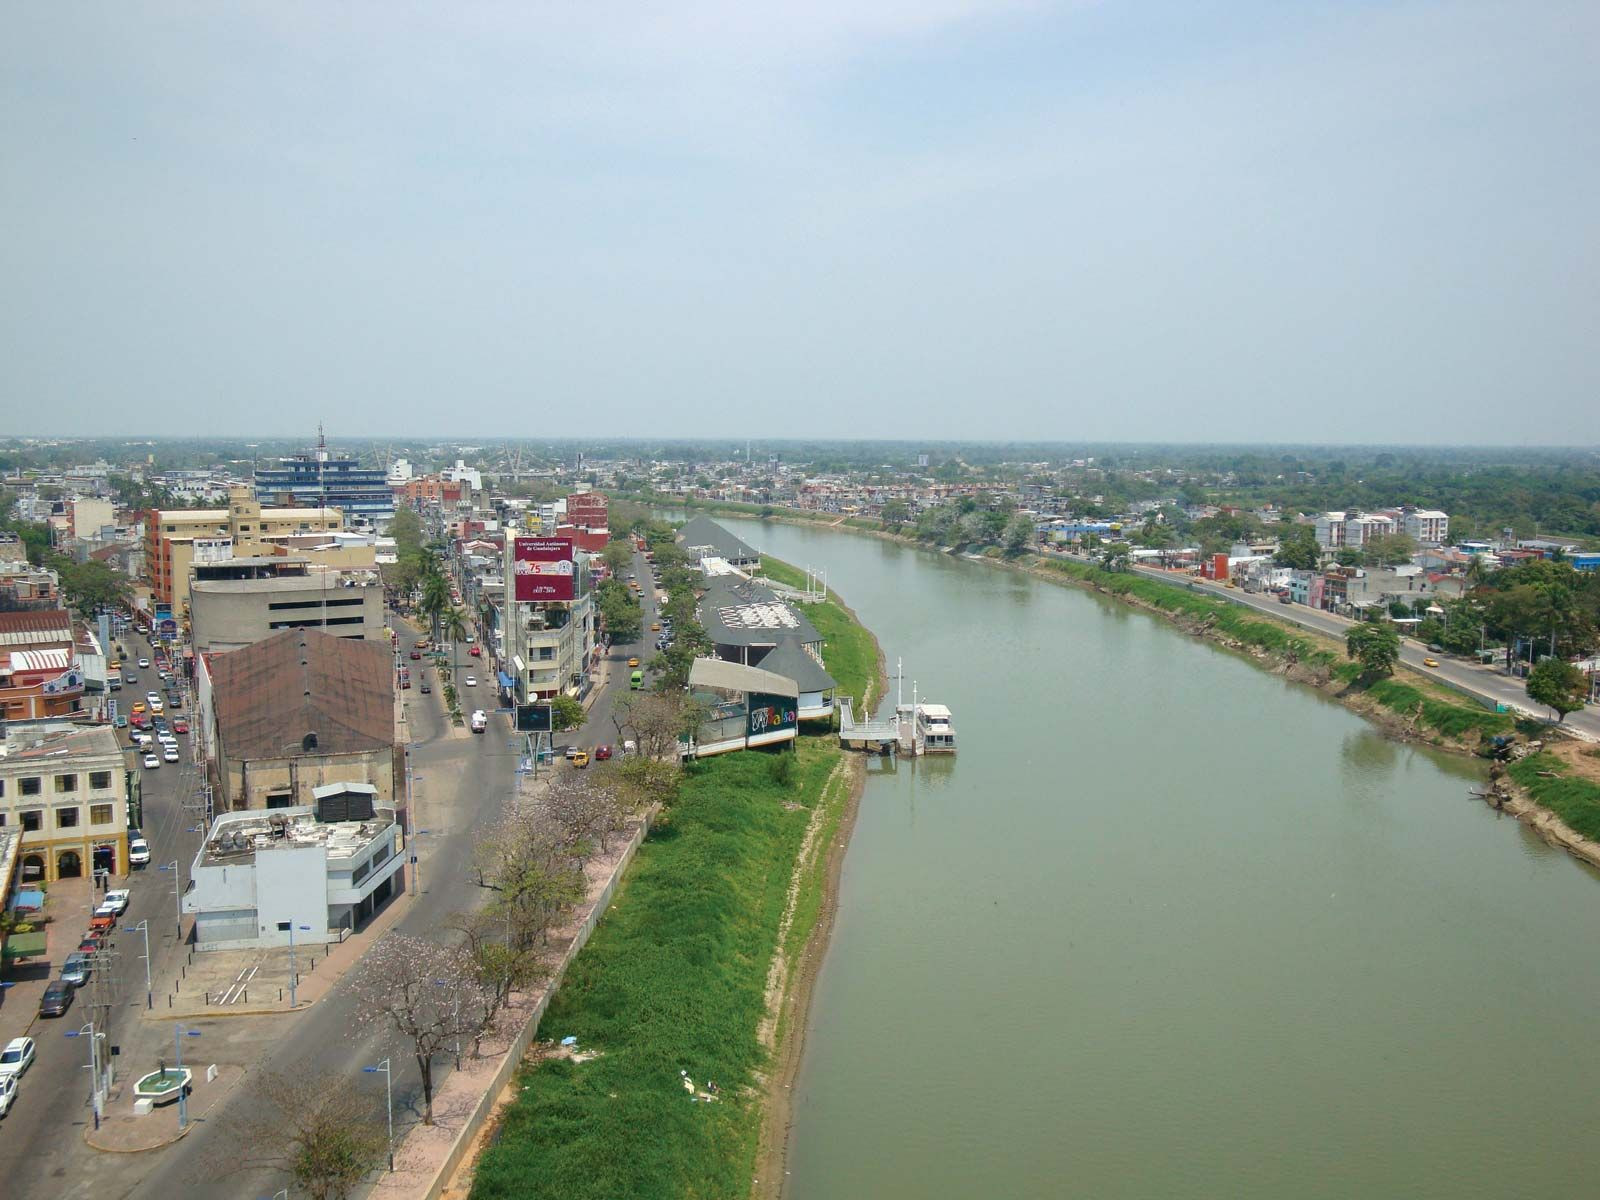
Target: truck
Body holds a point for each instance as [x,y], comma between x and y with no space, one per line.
[480,721]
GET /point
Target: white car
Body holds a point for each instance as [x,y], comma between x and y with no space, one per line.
[153,697]
[118,899]
[169,754]
[144,664]
[138,852]
[17,1057]
[8,1093]
[471,681]
[157,707]
[151,761]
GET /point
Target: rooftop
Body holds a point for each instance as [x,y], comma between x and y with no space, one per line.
[713,540]
[235,837]
[29,745]
[303,692]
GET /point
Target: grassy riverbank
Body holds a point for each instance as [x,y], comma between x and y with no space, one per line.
[699,967]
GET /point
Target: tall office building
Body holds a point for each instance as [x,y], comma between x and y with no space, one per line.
[318,479]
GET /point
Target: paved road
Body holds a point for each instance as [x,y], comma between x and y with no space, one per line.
[40,1140]
[1489,683]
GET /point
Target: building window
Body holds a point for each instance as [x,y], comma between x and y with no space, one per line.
[66,783]
[99,780]
[66,818]
[32,820]
[2,789]
[2,820]
[546,653]
[99,814]
[32,785]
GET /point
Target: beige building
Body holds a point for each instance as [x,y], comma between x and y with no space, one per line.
[244,601]
[176,538]
[66,789]
[296,712]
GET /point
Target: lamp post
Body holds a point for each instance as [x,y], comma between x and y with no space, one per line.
[388,1101]
[144,928]
[293,978]
[178,1034]
[177,895]
[94,1068]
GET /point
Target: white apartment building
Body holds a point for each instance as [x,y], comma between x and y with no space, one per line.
[1330,530]
[549,645]
[1427,526]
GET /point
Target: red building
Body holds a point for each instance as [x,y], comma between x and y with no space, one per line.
[588,510]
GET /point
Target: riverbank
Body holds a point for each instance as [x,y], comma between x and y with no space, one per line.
[700,974]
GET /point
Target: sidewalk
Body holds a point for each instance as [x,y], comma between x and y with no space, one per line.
[67,905]
[124,1132]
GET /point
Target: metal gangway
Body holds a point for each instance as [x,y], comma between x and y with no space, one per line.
[866,735]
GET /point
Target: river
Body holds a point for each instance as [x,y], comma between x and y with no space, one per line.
[1171,926]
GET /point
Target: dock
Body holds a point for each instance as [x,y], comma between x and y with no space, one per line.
[907,732]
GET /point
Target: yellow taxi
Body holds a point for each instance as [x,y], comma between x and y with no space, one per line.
[138,707]
[633,662]
[655,626]
[1430,662]
[581,759]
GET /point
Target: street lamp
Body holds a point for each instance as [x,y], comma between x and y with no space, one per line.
[388,1100]
[178,1034]
[94,1068]
[177,894]
[293,978]
[144,928]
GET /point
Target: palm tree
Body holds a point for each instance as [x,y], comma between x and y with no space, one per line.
[454,626]
[435,600]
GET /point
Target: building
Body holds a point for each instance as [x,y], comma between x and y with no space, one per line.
[322,869]
[175,539]
[39,671]
[23,585]
[802,665]
[1426,526]
[246,600]
[318,479]
[295,712]
[89,516]
[702,537]
[66,789]
[745,707]
[550,623]
[746,621]
[589,512]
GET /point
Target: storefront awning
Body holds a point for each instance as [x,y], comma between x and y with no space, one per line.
[506,681]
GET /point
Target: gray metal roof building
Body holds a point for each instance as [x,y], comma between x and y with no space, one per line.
[703,538]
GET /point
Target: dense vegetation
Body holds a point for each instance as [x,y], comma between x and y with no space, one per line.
[672,981]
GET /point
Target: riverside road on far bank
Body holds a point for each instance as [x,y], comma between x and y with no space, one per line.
[1487,684]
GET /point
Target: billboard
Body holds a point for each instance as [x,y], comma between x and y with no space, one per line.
[768,714]
[543,569]
[533,718]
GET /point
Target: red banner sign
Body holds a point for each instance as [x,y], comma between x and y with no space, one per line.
[543,569]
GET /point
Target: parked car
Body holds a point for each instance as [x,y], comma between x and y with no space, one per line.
[118,899]
[180,726]
[571,752]
[581,759]
[105,911]
[17,1057]
[151,761]
[175,699]
[56,1000]
[8,1093]
[138,849]
[76,969]
[601,753]
[122,721]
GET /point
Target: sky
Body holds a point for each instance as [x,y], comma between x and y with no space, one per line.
[1349,221]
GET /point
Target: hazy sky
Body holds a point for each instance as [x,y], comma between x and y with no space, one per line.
[1284,221]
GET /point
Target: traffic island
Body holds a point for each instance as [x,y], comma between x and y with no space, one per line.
[124,1130]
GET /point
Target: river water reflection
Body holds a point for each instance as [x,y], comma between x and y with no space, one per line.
[1170,926]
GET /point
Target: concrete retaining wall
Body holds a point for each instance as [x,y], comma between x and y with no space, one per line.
[519,1046]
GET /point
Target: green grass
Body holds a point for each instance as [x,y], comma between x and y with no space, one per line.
[673,979]
[1464,721]
[848,650]
[1575,800]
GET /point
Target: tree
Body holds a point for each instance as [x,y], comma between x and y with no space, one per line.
[1375,646]
[453,624]
[566,713]
[618,555]
[1387,548]
[655,721]
[524,858]
[895,512]
[90,586]
[1115,556]
[1347,556]
[1020,533]
[320,1130]
[1558,686]
[1298,549]
[424,991]
[406,530]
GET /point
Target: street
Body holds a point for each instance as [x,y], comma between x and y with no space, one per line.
[459,784]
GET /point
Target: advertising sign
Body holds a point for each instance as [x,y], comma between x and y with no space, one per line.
[533,718]
[543,569]
[768,714]
[167,629]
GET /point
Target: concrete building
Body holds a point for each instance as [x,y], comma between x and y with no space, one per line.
[321,868]
[247,600]
[295,712]
[745,707]
[40,675]
[549,644]
[89,516]
[177,538]
[702,537]
[1428,527]
[320,479]
[66,788]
